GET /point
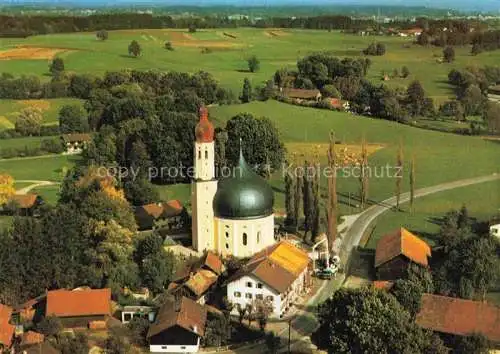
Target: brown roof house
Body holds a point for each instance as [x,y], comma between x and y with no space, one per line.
[75,143]
[6,329]
[171,215]
[396,250]
[301,94]
[178,327]
[80,308]
[276,276]
[459,316]
[196,280]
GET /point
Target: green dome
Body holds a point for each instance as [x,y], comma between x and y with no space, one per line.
[244,195]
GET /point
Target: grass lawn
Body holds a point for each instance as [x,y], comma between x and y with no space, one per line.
[227,61]
[9,109]
[20,185]
[481,201]
[50,194]
[49,168]
[19,143]
[181,192]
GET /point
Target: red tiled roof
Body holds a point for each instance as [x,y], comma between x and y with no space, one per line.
[278,266]
[67,303]
[402,242]
[300,93]
[157,210]
[201,281]
[185,313]
[458,316]
[77,137]
[6,329]
[24,201]
[213,262]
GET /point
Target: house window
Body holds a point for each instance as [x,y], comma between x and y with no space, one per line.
[127,316]
[206,154]
[259,285]
[245,239]
[248,295]
[237,294]
[249,284]
[258,236]
[270,298]
[259,296]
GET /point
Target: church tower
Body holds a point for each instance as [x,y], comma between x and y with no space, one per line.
[204,185]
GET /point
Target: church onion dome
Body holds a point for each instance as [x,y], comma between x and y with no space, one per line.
[243,195]
[204,130]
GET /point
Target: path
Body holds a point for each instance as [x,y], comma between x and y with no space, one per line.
[34,184]
[305,322]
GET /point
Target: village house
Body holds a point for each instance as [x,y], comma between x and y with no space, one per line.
[460,317]
[196,280]
[178,327]
[80,308]
[301,94]
[396,250]
[412,32]
[170,215]
[130,312]
[495,230]
[277,276]
[23,204]
[6,329]
[75,143]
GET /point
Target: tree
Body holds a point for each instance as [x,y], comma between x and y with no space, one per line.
[492,116]
[449,54]
[412,182]
[56,67]
[73,119]
[395,73]
[474,344]
[423,39]
[221,139]
[246,93]
[242,310]
[409,295]
[289,198]
[140,191]
[330,91]
[102,35]
[332,205]
[157,270]
[473,100]
[134,48]
[399,178]
[273,343]
[343,329]
[138,328]
[117,343]
[216,333]
[77,344]
[380,50]
[7,189]
[297,201]
[416,98]
[308,196]
[363,176]
[192,28]
[253,64]
[29,121]
[50,326]
[405,72]
[168,46]
[476,49]
[261,142]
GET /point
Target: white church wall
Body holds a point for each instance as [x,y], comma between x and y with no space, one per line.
[203,229]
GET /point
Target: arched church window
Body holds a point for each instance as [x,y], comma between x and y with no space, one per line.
[199,154]
[245,239]
[227,246]
[206,154]
[227,234]
[258,236]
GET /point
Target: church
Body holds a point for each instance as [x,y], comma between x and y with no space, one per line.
[233,215]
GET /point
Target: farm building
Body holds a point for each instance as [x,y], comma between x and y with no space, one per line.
[301,94]
[23,204]
[396,250]
[276,276]
[495,230]
[75,143]
[6,329]
[80,308]
[459,316]
[170,215]
[178,327]
[196,281]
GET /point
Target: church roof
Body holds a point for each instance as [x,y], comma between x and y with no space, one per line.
[204,130]
[243,195]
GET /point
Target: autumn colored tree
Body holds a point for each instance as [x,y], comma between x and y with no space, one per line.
[7,189]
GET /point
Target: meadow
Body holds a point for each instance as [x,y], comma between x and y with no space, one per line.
[50,168]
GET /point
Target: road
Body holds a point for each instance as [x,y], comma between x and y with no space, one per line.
[34,184]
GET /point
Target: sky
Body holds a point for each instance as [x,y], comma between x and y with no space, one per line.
[485,5]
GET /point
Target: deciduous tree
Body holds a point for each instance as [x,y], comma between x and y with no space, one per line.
[134,48]
[246,93]
[253,64]
[7,189]
[73,119]
[29,121]
[449,54]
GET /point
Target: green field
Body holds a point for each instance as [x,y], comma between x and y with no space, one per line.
[19,143]
[9,109]
[49,168]
[227,61]
[50,194]
[481,200]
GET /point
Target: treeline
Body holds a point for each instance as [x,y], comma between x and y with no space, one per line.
[23,26]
